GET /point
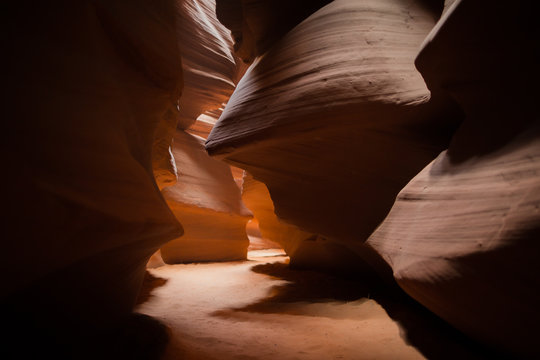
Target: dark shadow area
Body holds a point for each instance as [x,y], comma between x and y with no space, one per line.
[433,337]
[306,285]
[38,323]
[140,337]
[27,336]
[150,283]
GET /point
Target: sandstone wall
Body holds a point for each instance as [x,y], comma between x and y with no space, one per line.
[335,119]
[88,83]
[257,198]
[256,25]
[209,71]
[207,61]
[208,203]
[462,235]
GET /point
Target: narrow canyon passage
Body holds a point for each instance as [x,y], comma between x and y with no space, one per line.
[262,309]
[158,152]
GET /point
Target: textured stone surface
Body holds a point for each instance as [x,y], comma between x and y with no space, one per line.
[205,123]
[163,165]
[88,84]
[335,119]
[462,237]
[210,72]
[257,198]
[207,61]
[257,24]
[306,250]
[208,203]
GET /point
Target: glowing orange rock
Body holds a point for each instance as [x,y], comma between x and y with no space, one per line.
[208,203]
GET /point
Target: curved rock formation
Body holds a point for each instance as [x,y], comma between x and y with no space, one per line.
[205,123]
[213,232]
[257,198]
[257,24]
[88,83]
[462,237]
[209,71]
[306,250]
[335,119]
[163,165]
[208,203]
[207,61]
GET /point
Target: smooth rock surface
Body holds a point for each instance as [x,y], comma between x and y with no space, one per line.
[257,198]
[205,123]
[208,64]
[163,164]
[256,25]
[335,119]
[462,237]
[208,203]
[306,250]
[88,84]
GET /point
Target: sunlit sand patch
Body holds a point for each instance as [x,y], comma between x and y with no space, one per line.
[237,311]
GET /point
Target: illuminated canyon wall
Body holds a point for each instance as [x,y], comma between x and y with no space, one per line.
[257,198]
[209,67]
[336,120]
[208,203]
[204,196]
[377,135]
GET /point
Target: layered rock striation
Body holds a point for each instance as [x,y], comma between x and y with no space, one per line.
[208,203]
[256,25]
[209,72]
[335,119]
[208,64]
[204,197]
[462,236]
[257,198]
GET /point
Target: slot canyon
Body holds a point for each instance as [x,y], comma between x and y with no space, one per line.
[258,179]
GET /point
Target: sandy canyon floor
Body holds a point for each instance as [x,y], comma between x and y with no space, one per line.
[262,309]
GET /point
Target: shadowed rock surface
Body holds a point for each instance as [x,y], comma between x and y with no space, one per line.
[257,198]
[256,25]
[462,237]
[88,83]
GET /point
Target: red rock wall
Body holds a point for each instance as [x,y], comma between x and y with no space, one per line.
[208,63]
[256,25]
[462,235]
[88,83]
[257,198]
[335,119]
[208,203]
